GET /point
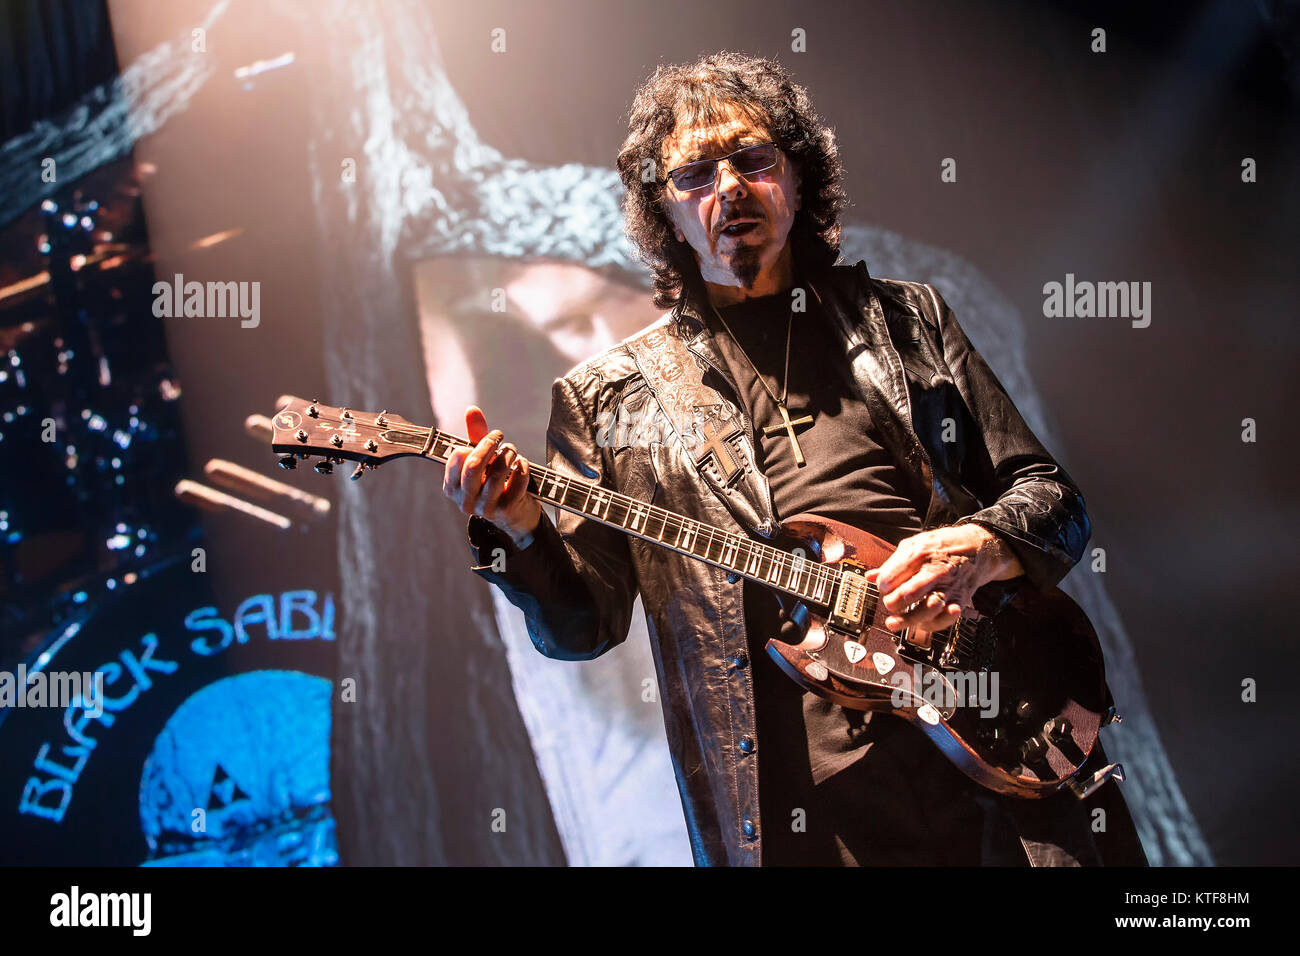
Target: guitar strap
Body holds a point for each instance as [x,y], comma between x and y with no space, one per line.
[709,426]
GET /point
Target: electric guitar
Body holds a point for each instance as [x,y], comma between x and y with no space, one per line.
[1014,700]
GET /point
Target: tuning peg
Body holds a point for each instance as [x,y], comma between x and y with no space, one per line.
[337,441]
[323,467]
[359,472]
[288,462]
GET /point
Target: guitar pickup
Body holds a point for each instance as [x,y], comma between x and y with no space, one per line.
[852,603]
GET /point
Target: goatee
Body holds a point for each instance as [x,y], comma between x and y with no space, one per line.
[745,266]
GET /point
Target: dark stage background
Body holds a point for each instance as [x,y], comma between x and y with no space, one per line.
[218,135]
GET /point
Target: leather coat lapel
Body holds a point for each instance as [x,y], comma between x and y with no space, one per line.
[678,364]
[858,324]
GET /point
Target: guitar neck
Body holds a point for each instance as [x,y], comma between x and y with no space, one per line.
[792,573]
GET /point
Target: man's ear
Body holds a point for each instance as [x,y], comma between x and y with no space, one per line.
[668,214]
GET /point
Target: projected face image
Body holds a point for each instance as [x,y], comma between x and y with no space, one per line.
[555,316]
[496,332]
[579,311]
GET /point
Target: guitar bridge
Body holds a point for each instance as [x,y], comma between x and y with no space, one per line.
[968,646]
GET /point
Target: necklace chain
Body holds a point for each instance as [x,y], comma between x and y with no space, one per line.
[787,423]
[785,386]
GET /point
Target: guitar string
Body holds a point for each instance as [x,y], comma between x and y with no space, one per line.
[824,574]
[782,559]
[960,633]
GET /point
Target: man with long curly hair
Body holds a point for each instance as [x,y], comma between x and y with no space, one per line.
[779,383]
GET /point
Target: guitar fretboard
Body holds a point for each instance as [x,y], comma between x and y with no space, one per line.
[794,573]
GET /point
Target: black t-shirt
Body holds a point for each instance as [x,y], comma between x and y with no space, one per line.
[848,474]
[872,789]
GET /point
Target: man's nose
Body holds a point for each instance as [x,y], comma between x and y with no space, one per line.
[729,183]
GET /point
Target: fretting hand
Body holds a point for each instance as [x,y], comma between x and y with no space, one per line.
[491,480]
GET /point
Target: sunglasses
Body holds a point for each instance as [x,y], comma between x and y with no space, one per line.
[745,161]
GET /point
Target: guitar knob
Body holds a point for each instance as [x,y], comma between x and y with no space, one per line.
[301,435]
[288,462]
[371,445]
[1058,729]
[1033,749]
[993,734]
[337,441]
[323,467]
[313,411]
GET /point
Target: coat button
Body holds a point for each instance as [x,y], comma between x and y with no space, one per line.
[747,745]
[748,827]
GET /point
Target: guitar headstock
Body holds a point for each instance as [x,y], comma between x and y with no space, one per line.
[302,429]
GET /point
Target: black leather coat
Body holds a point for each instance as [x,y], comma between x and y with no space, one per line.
[577,581]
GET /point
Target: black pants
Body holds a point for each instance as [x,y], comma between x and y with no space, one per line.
[902,803]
